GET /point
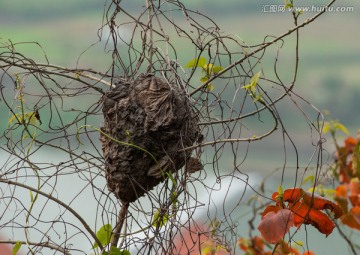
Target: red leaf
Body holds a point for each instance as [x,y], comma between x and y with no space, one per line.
[306,210]
[275,196]
[355,211]
[352,218]
[345,172]
[315,202]
[341,191]
[354,187]
[293,195]
[320,203]
[350,143]
[341,197]
[303,214]
[271,208]
[274,225]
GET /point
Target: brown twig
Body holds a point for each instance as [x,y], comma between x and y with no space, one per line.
[83,222]
[119,224]
[42,244]
[264,46]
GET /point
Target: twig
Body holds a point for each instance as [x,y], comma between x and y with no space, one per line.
[42,244]
[265,45]
[236,140]
[87,227]
[119,224]
[150,27]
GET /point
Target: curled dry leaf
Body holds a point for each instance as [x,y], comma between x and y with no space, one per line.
[303,214]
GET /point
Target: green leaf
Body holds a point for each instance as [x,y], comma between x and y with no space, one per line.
[322,191]
[246,87]
[30,117]
[253,82]
[310,178]
[208,69]
[204,79]
[116,251]
[311,190]
[104,235]
[299,243]
[289,4]
[16,248]
[26,118]
[342,128]
[257,97]
[160,219]
[217,69]
[171,177]
[31,196]
[326,127]
[13,117]
[173,197]
[196,62]
[280,190]
[333,126]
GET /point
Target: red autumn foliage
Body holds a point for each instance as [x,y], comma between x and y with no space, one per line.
[354,196]
[256,246]
[347,159]
[347,194]
[352,218]
[253,246]
[303,214]
[302,208]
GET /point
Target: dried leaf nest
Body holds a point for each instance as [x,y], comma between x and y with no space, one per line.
[153,121]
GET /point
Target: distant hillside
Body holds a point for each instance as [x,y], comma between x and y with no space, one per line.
[329,61]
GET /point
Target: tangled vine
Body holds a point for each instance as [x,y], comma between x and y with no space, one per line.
[53,192]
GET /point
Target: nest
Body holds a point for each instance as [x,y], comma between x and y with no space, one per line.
[154,120]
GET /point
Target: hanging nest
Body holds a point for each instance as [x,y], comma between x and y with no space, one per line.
[156,121]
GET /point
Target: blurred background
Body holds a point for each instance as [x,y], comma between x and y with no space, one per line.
[329,72]
[329,61]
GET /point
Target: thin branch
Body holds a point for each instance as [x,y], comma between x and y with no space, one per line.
[31,68]
[41,244]
[119,224]
[150,27]
[83,222]
[265,45]
[235,140]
